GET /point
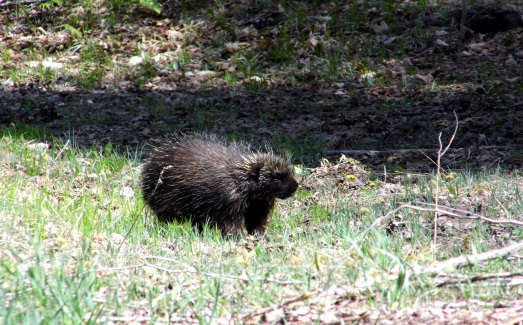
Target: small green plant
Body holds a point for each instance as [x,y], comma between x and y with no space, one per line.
[229,77]
[284,49]
[90,78]
[246,64]
[147,67]
[44,74]
[153,5]
[356,14]
[389,7]
[74,31]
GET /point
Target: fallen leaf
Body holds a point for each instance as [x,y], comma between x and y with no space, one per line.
[476,46]
[441,43]
[380,28]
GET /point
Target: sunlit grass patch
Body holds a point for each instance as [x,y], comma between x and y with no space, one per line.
[77,242]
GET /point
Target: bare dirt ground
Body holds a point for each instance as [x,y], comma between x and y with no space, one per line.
[412,99]
[489,131]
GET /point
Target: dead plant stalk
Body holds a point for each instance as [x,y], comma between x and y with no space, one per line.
[441,152]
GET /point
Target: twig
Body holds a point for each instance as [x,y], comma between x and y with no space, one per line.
[406,151]
[477,278]
[141,210]
[130,229]
[20,2]
[436,198]
[464,9]
[217,275]
[517,320]
[128,267]
[214,275]
[386,217]
[194,271]
[284,303]
[431,160]
[62,150]
[439,209]
[126,319]
[453,134]
[468,214]
[438,177]
[467,260]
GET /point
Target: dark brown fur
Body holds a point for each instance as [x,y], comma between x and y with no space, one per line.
[200,178]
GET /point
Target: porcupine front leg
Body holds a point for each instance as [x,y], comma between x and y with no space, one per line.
[257,216]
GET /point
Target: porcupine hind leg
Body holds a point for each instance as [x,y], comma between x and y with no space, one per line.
[230,223]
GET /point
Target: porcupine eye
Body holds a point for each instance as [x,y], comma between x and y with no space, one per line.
[279,176]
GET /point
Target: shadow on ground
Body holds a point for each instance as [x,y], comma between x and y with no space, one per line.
[311,123]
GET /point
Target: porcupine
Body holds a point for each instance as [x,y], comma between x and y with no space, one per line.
[225,185]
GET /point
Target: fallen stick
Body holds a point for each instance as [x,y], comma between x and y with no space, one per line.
[404,151]
[20,2]
[467,260]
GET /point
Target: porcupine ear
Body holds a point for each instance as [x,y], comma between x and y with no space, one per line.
[255,172]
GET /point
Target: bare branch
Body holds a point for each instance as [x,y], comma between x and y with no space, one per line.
[467,260]
[438,176]
[463,214]
[126,319]
[437,209]
[407,151]
[66,145]
[453,135]
[20,3]
[464,9]
[466,279]
[193,270]
[128,267]
[284,303]
[215,275]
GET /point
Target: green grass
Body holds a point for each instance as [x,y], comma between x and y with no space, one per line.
[307,46]
[94,57]
[64,212]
